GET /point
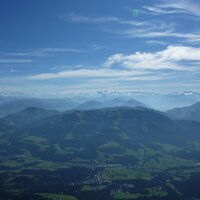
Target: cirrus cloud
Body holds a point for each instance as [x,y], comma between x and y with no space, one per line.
[87,73]
[190,7]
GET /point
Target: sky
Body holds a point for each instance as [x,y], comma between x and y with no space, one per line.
[67,46]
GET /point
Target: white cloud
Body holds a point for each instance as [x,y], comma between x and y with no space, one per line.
[169,58]
[156,42]
[137,66]
[96,47]
[57,50]
[163,33]
[41,52]
[189,7]
[15,60]
[88,73]
[170,65]
[180,53]
[75,18]
[148,77]
[146,29]
[155,29]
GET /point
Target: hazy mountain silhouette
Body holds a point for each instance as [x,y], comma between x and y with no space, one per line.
[186,113]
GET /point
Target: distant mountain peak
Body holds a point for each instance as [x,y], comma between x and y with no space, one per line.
[186,113]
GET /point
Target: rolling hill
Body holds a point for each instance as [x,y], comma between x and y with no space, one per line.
[30,115]
[16,106]
[186,113]
[116,102]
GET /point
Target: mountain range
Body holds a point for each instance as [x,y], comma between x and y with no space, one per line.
[14,104]
[104,153]
[91,130]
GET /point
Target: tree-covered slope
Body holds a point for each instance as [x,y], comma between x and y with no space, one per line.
[98,154]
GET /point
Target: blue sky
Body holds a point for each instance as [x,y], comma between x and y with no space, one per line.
[66,46]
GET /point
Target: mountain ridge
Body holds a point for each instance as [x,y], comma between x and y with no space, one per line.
[186,113]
